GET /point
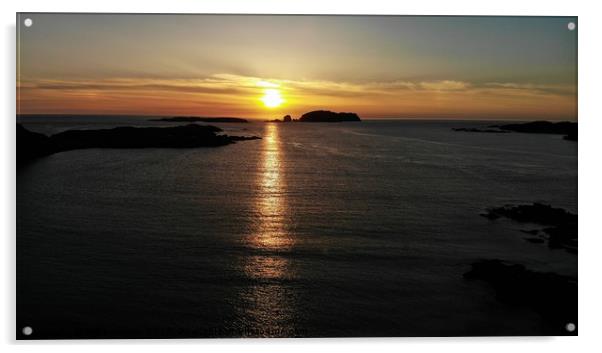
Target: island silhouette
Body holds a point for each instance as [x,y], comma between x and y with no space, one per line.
[32,144]
[319,116]
[567,128]
[326,116]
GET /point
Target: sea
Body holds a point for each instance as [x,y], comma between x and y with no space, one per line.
[315,230]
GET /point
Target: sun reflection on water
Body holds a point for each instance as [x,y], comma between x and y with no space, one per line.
[269,301]
[271,233]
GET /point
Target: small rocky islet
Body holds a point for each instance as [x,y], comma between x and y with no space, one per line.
[320,116]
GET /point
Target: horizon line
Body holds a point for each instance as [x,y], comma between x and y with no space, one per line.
[50,115]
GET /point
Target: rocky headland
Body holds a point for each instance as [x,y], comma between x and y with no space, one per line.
[559,227]
[566,128]
[32,145]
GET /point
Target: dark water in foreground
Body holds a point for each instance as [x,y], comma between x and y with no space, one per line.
[351,229]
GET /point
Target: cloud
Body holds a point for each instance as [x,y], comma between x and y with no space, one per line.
[556,89]
[445,85]
[226,94]
[192,86]
[236,87]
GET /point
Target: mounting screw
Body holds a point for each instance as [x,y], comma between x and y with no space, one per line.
[570,327]
[571,26]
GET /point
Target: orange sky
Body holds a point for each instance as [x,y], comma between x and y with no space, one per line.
[394,67]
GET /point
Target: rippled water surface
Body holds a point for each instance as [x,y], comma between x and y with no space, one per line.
[351,229]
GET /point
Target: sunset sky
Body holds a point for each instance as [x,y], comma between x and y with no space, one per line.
[268,66]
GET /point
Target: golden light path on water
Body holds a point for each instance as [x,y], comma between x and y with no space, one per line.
[269,310]
[271,203]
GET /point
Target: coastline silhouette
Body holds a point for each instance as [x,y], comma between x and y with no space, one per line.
[31,144]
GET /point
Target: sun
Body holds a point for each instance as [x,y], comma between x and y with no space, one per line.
[272,98]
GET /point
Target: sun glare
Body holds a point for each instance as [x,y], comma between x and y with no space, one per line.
[272,98]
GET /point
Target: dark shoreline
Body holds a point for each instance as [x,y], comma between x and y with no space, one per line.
[32,145]
[566,128]
[551,295]
[558,226]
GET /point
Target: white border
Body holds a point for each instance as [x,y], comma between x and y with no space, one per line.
[590,158]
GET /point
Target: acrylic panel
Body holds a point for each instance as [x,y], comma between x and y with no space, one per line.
[218,176]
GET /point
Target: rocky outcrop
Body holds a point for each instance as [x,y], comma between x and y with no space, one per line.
[543,127]
[567,128]
[31,145]
[285,119]
[560,226]
[328,117]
